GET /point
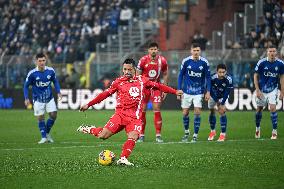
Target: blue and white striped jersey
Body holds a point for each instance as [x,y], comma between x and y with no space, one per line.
[41,84]
[269,73]
[194,76]
[221,88]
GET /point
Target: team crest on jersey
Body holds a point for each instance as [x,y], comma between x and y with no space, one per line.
[189,67]
[48,76]
[224,84]
[276,68]
[134,91]
[266,68]
[37,78]
[152,73]
[201,67]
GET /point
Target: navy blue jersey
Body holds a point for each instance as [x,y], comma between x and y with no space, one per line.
[41,84]
[269,73]
[221,88]
[194,76]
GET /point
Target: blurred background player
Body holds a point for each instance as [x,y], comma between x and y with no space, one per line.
[221,86]
[194,77]
[40,79]
[130,90]
[153,66]
[266,77]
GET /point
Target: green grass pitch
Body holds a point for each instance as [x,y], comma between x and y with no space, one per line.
[71,162]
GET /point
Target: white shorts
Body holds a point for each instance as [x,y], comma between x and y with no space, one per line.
[212,103]
[187,100]
[270,98]
[40,108]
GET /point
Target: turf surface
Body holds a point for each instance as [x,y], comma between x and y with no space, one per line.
[71,162]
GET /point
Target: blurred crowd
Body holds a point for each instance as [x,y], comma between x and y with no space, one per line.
[66,30]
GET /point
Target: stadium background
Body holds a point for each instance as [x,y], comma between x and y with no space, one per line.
[87,40]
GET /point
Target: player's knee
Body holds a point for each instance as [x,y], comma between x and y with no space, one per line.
[133,135]
[53,115]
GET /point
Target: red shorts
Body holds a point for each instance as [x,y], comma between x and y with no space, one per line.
[117,122]
[154,95]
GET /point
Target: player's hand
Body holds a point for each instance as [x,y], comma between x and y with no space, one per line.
[207,96]
[27,102]
[164,95]
[179,93]
[84,108]
[259,94]
[179,97]
[59,96]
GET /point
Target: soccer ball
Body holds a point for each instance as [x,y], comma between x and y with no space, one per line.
[106,157]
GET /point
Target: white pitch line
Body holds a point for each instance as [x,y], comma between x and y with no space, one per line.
[119,143]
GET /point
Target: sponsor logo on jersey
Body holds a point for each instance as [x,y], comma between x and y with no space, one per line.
[269,74]
[134,91]
[42,84]
[152,73]
[194,74]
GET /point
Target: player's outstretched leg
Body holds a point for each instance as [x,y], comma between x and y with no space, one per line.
[142,136]
[212,122]
[258,117]
[126,151]
[49,124]
[223,123]
[158,125]
[41,126]
[186,128]
[274,117]
[90,129]
[197,120]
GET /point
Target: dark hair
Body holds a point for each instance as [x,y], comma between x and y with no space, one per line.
[129,61]
[153,44]
[194,45]
[271,46]
[40,55]
[221,66]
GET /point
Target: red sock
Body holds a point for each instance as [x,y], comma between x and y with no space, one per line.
[143,117]
[128,147]
[96,131]
[158,122]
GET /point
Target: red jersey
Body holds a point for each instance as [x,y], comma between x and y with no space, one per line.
[130,94]
[152,68]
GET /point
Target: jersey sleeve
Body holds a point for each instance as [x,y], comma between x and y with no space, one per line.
[281,71]
[228,89]
[257,67]
[207,76]
[164,64]
[112,89]
[141,63]
[181,74]
[55,82]
[27,83]
[162,87]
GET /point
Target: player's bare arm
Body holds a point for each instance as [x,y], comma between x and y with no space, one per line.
[166,81]
[256,85]
[27,102]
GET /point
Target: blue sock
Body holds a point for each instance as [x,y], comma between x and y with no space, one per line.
[185,122]
[212,121]
[273,116]
[258,116]
[41,126]
[223,123]
[197,120]
[49,124]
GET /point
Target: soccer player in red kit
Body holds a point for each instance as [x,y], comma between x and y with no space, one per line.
[130,95]
[153,66]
